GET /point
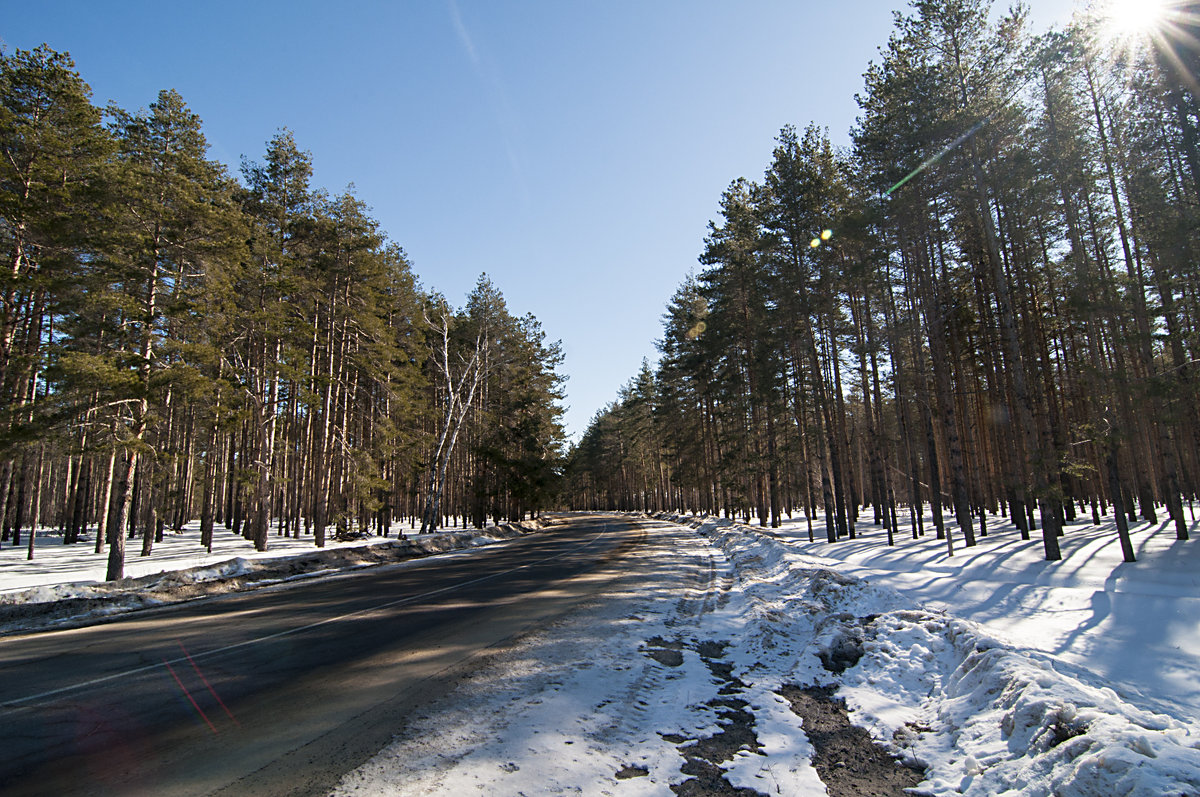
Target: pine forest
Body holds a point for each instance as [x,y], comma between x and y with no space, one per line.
[177,344]
[988,305]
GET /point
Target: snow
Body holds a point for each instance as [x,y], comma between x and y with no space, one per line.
[55,564]
[565,711]
[996,672]
[62,586]
[1091,609]
[592,696]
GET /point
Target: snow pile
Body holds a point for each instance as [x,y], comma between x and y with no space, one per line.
[982,716]
[1135,625]
[987,718]
[238,566]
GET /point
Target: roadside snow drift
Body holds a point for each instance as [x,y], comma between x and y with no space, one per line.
[73,601]
[672,684]
[983,717]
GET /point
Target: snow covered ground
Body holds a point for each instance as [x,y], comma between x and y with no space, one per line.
[1137,625]
[63,585]
[54,563]
[679,673]
[995,672]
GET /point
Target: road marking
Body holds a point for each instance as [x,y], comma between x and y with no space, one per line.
[21,704]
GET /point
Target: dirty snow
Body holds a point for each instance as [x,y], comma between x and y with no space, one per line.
[633,695]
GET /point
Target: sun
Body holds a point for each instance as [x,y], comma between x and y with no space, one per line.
[1132,18]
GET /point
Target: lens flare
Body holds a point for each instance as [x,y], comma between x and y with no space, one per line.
[938,156]
[1134,17]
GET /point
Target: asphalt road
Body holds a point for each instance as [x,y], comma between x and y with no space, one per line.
[283,690]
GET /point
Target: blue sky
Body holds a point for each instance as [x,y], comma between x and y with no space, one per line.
[574,151]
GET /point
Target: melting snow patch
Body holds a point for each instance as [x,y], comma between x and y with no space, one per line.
[983,716]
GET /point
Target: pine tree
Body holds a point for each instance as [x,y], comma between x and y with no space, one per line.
[52,184]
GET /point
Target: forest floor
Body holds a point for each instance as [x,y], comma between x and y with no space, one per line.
[986,672]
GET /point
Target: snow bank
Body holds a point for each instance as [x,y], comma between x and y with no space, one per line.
[1135,625]
[75,602]
[982,716]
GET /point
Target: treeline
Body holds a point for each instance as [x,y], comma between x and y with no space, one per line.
[177,344]
[989,304]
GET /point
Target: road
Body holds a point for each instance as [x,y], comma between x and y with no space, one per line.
[283,690]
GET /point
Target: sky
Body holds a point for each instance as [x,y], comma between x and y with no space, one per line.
[572,151]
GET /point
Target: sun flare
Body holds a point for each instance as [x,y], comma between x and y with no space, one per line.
[1134,17]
